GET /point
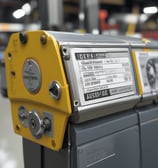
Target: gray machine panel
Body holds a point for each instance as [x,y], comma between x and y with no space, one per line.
[106,143]
[32,154]
[118,150]
[149,138]
[102,127]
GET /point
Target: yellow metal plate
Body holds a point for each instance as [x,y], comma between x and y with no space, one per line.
[50,64]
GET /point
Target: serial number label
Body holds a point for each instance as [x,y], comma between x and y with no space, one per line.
[104,74]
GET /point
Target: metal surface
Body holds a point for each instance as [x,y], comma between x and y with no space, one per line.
[100,74]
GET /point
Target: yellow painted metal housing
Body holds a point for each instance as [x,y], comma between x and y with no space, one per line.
[49,60]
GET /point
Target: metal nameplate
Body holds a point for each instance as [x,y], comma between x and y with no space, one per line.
[100,74]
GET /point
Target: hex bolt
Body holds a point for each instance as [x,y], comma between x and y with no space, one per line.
[55,90]
[46,123]
[43,39]
[22,115]
[23,37]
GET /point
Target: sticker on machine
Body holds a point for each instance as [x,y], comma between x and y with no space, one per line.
[104,74]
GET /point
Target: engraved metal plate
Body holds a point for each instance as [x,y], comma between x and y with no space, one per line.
[31,76]
[101,74]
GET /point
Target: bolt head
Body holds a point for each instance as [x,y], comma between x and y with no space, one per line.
[23,37]
[55,90]
[43,39]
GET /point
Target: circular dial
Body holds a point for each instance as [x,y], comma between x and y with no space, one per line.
[151,73]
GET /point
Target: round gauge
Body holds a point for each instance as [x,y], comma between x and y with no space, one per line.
[151,73]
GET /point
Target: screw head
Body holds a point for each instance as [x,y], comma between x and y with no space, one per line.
[46,123]
[65,53]
[23,37]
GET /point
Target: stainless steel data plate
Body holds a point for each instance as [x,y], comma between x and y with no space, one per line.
[100,74]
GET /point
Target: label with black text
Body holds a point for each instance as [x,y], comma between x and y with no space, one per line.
[104,74]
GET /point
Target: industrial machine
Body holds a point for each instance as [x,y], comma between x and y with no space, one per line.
[82,101]
[63,77]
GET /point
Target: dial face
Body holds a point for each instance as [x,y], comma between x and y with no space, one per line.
[151,73]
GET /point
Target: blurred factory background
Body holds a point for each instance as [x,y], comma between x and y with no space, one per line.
[134,17]
[97,16]
[138,18]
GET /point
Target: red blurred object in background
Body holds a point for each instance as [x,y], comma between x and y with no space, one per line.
[103,14]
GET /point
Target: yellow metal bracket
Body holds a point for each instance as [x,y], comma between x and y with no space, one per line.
[44,50]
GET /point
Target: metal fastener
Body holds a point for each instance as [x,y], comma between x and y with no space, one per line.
[43,39]
[23,116]
[65,53]
[23,37]
[55,90]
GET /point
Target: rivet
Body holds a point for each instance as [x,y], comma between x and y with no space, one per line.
[43,39]
[53,143]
